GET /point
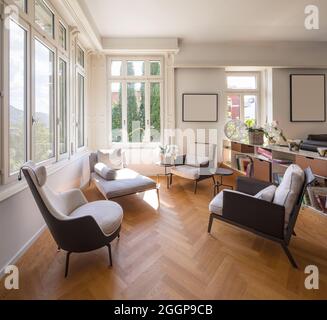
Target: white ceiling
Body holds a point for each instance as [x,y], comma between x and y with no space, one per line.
[207,20]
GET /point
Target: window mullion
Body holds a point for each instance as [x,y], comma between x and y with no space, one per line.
[124,111]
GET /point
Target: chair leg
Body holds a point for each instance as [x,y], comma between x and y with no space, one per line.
[210,222]
[110,258]
[158,196]
[170,180]
[289,256]
[195,187]
[67,264]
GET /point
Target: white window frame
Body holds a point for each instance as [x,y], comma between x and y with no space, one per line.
[38,37]
[58,118]
[27,20]
[124,79]
[244,92]
[7,176]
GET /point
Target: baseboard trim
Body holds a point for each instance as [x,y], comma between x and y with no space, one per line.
[21,252]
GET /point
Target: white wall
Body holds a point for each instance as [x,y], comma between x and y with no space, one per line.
[21,220]
[277,54]
[281,105]
[188,80]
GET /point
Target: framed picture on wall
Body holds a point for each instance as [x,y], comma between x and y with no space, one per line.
[200,107]
[308,98]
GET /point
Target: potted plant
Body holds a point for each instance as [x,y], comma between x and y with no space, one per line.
[256,134]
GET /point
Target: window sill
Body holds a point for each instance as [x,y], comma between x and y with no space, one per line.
[7,191]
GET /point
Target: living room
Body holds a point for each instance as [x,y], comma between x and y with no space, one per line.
[160,150]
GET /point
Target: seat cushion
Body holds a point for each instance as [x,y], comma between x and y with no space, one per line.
[216,205]
[127,182]
[288,192]
[107,214]
[186,172]
[196,160]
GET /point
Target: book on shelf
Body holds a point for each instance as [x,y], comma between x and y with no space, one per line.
[318,198]
[266,153]
[277,178]
[244,163]
[283,161]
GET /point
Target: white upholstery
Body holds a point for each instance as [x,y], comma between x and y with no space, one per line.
[105,172]
[289,190]
[127,182]
[107,214]
[187,172]
[267,194]
[113,158]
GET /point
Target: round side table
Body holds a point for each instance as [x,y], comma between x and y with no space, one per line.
[221,172]
[166,174]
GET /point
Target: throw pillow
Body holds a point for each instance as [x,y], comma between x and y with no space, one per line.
[267,194]
[105,172]
[112,158]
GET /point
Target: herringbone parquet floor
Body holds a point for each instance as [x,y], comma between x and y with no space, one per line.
[167,254]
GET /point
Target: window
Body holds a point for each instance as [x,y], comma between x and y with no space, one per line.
[80,110]
[62,37]
[80,56]
[62,102]
[116,113]
[17,96]
[135,100]
[243,95]
[22,4]
[43,117]
[44,17]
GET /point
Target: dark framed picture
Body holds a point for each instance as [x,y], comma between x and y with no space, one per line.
[308,97]
[200,107]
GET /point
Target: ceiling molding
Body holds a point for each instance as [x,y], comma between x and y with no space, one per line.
[84,23]
[140,45]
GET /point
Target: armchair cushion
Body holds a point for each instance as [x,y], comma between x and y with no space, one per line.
[107,214]
[105,172]
[187,172]
[196,161]
[216,205]
[288,192]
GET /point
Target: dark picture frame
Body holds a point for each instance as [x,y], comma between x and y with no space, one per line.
[216,106]
[293,107]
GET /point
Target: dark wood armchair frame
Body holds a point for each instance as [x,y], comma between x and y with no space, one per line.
[261,217]
[74,236]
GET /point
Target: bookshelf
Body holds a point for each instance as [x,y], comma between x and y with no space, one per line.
[269,163]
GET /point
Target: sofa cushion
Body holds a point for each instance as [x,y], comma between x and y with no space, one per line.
[288,192]
[127,182]
[107,214]
[186,172]
[267,194]
[113,158]
[105,172]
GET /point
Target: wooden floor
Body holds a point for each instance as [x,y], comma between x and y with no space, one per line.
[167,254]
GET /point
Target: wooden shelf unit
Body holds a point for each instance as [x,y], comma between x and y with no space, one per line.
[268,169]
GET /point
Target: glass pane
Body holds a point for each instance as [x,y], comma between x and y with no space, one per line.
[43,133]
[250,107]
[234,107]
[155,68]
[135,68]
[44,17]
[241,82]
[80,111]
[80,56]
[63,136]
[21,4]
[116,68]
[62,36]
[116,111]
[135,111]
[17,96]
[155,112]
